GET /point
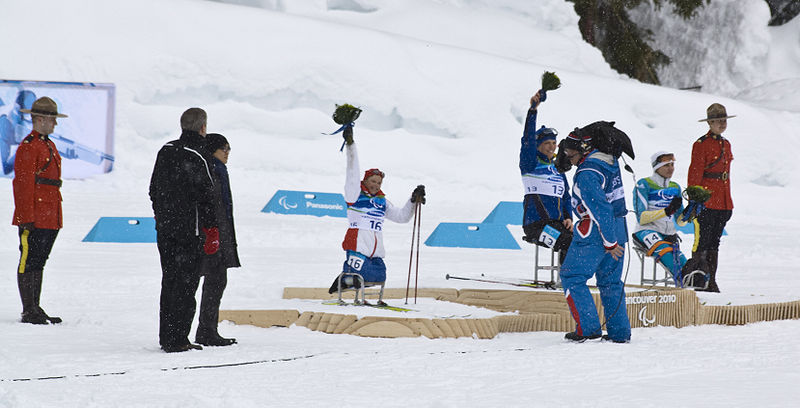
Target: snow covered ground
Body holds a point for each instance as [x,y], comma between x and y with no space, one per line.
[444,86]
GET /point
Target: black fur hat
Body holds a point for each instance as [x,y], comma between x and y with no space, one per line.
[600,135]
[603,136]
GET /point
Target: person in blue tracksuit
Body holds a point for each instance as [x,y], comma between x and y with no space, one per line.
[657,202]
[598,243]
[547,217]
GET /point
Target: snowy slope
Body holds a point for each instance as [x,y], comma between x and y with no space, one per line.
[728,49]
[444,86]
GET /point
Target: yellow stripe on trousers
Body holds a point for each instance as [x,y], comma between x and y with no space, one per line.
[696,235]
[23,259]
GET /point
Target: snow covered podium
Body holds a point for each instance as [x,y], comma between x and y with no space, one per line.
[515,311]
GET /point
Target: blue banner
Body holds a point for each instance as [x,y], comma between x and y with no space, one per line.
[307,203]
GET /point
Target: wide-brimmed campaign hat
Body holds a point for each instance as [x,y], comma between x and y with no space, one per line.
[716,111]
[44,106]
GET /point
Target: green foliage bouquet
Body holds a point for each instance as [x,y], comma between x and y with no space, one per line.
[550,81]
[697,194]
[346,114]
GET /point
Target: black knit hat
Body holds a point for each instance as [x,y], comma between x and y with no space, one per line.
[215,141]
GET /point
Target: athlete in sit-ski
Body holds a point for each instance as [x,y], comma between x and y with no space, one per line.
[597,248]
[547,216]
[367,208]
[658,204]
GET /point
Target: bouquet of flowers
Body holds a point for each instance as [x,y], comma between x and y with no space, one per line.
[550,81]
[697,196]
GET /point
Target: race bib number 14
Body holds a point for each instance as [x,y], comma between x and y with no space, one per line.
[650,239]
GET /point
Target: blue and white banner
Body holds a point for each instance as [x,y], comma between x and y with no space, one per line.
[307,203]
[85,139]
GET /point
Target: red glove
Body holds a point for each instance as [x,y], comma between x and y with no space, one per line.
[212,240]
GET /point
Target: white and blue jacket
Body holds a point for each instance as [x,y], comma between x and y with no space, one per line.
[366,213]
[599,200]
[650,197]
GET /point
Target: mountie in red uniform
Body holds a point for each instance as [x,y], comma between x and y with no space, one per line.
[710,168]
[37,179]
[37,212]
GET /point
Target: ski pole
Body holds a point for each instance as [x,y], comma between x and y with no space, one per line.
[676,273]
[411,256]
[418,220]
[547,285]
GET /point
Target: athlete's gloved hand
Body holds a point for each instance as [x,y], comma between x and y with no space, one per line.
[692,211]
[347,134]
[211,245]
[28,226]
[418,196]
[674,205]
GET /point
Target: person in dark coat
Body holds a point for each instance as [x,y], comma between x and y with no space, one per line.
[214,268]
[37,206]
[182,192]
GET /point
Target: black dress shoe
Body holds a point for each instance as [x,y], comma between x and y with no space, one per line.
[34,318]
[577,338]
[181,348]
[214,340]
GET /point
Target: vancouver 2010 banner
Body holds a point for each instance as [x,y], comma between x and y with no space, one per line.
[85,139]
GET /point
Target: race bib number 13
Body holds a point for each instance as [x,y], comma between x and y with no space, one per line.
[549,236]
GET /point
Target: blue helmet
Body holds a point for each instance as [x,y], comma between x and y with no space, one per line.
[545,133]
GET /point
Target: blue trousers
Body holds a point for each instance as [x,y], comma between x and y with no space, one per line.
[664,252]
[584,260]
[372,269]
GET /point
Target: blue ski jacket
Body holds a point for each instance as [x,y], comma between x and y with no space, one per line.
[599,200]
[541,179]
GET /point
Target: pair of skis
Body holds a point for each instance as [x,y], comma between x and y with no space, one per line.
[525,283]
[379,305]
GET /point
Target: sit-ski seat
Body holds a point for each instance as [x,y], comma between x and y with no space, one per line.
[555,264]
[360,288]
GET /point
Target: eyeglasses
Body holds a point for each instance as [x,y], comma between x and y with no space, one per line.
[225,149]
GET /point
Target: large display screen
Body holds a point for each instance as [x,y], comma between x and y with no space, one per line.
[85,139]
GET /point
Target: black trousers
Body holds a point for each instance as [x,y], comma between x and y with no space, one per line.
[711,224]
[34,249]
[215,279]
[180,276]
